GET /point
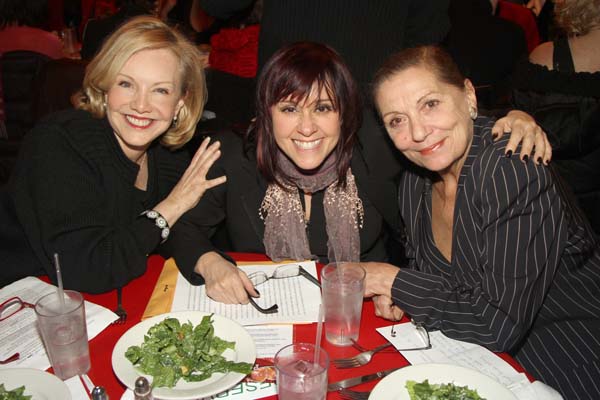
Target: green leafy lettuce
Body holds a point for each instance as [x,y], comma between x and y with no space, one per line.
[428,391]
[172,350]
[15,394]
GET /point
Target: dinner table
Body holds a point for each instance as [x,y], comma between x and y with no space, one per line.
[137,293]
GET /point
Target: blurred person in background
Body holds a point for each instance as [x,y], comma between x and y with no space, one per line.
[98,29]
[560,86]
[22,27]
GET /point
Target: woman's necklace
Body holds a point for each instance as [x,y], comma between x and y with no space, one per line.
[141,181]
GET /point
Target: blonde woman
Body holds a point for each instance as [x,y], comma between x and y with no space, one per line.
[102,185]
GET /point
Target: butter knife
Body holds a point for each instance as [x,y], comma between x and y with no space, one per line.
[346,383]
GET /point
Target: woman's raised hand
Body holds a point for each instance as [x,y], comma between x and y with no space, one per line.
[192,184]
[523,129]
[224,282]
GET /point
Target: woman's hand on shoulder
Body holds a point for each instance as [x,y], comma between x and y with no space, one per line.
[224,282]
[193,183]
[524,130]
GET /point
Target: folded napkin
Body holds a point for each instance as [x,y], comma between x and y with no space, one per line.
[161,299]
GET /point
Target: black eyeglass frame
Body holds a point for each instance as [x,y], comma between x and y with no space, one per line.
[424,334]
[275,308]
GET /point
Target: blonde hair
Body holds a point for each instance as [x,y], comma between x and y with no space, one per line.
[577,17]
[147,33]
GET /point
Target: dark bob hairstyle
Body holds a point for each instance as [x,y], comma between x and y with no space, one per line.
[292,71]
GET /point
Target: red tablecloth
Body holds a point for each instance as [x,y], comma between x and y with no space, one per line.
[137,293]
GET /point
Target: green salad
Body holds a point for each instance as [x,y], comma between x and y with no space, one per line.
[172,350]
[429,391]
[15,394]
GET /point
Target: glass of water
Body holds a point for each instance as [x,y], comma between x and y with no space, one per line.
[343,286]
[64,331]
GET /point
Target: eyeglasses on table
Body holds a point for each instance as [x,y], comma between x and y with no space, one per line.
[9,308]
[282,272]
[12,306]
[421,332]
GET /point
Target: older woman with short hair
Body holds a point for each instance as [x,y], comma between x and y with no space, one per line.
[102,185]
[499,255]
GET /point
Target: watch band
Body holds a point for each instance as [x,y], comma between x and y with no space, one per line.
[160,222]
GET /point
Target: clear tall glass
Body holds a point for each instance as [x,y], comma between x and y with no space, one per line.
[301,372]
[64,332]
[343,288]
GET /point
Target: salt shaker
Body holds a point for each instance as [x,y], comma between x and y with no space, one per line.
[99,393]
[143,390]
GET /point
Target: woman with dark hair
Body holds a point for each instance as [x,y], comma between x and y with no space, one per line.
[298,187]
[22,25]
[299,172]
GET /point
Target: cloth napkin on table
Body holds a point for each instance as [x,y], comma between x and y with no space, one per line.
[161,299]
[78,391]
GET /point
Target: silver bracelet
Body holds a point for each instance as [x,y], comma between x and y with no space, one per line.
[160,222]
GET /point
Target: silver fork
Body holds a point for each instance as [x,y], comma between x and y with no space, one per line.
[353,394]
[359,359]
[120,311]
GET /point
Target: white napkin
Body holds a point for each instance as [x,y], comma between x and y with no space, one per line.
[534,391]
[78,391]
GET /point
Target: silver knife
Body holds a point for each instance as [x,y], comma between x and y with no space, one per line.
[346,383]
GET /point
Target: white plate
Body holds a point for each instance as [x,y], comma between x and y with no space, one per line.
[392,387]
[40,385]
[225,328]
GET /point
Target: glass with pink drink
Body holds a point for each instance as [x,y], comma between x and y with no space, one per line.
[301,372]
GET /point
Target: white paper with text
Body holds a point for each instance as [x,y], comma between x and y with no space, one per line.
[298,298]
[19,333]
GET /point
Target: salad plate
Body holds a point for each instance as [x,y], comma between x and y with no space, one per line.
[40,385]
[393,386]
[225,328]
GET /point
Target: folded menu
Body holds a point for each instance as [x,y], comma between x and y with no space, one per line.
[19,334]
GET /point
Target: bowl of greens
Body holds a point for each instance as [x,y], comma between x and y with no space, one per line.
[185,355]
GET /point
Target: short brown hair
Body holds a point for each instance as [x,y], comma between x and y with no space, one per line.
[577,17]
[147,33]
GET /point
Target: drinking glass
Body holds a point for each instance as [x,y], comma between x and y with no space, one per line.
[343,290]
[301,372]
[64,331]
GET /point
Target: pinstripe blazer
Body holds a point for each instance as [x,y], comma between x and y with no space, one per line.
[525,270]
